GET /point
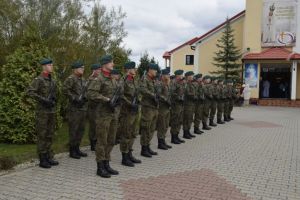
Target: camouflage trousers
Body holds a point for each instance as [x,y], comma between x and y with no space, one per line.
[213,109]
[176,118]
[92,123]
[188,114]
[231,103]
[76,122]
[226,109]
[206,108]
[220,110]
[127,132]
[45,126]
[199,109]
[106,128]
[148,124]
[163,121]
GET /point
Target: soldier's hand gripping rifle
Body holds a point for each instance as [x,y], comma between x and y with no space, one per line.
[82,97]
[51,99]
[116,98]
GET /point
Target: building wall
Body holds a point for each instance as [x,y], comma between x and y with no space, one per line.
[207,48]
[178,59]
[252,26]
[298,82]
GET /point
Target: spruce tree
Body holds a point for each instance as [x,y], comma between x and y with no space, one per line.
[228,56]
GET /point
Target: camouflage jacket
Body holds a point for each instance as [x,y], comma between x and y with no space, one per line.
[215,92]
[207,92]
[190,93]
[74,88]
[165,96]
[148,89]
[177,91]
[100,90]
[131,92]
[200,93]
[222,92]
[43,88]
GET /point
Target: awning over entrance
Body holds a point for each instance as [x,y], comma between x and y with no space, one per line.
[275,53]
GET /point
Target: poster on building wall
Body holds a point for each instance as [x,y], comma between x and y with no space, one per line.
[279,23]
[251,74]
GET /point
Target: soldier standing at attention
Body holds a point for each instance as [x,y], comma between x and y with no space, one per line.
[43,90]
[207,102]
[129,112]
[214,101]
[226,102]
[96,68]
[164,111]
[233,95]
[75,90]
[177,99]
[150,104]
[189,104]
[222,96]
[102,90]
[199,104]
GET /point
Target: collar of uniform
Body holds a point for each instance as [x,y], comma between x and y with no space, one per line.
[105,73]
[130,77]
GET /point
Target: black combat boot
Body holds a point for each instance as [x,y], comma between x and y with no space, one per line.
[219,121]
[132,158]
[211,123]
[197,131]
[226,118]
[109,169]
[43,161]
[101,171]
[168,146]
[191,135]
[161,144]
[93,144]
[153,153]
[51,161]
[145,152]
[126,161]
[174,139]
[186,135]
[230,118]
[80,153]
[205,127]
[73,153]
[179,139]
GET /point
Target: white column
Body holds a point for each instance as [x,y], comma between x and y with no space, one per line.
[196,59]
[294,80]
[297,47]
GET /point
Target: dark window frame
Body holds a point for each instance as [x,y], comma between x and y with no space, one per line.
[191,60]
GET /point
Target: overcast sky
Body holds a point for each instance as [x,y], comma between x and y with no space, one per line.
[159,25]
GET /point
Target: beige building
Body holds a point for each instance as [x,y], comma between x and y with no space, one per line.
[268,34]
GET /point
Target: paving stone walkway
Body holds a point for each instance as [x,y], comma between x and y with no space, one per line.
[256,156]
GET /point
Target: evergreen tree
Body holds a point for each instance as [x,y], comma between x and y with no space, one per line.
[227,58]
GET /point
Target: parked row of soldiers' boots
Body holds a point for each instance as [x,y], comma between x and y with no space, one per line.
[104,170]
[205,127]
[197,131]
[93,144]
[163,145]
[46,161]
[76,153]
[176,140]
[211,123]
[219,121]
[187,134]
[148,152]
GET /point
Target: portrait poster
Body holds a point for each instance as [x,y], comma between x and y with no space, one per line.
[251,74]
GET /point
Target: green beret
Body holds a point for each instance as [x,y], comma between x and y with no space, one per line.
[229,81]
[153,66]
[206,77]
[46,61]
[165,72]
[95,66]
[189,73]
[213,78]
[77,64]
[129,65]
[178,72]
[114,72]
[197,76]
[106,59]
[220,80]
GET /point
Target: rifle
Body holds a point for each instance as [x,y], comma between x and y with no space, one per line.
[82,96]
[115,100]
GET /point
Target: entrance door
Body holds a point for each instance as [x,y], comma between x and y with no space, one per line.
[275,81]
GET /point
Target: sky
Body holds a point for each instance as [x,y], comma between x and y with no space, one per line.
[157,26]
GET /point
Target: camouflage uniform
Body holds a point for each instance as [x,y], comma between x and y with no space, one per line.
[232,100]
[74,88]
[149,110]
[199,107]
[228,97]
[214,102]
[177,95]
[221,103]
[207,104]
[43,89]
[189,107]
[100,90]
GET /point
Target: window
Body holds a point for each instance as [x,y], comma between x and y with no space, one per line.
[189,59]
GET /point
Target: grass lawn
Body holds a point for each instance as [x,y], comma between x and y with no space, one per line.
[16,154]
